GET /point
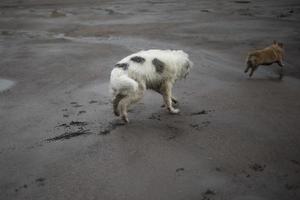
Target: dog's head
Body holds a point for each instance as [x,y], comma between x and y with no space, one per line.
[277,44]
[279,47]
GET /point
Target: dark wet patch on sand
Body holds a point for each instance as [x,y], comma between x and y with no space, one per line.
[68,135]
[202,112]
[79,127]
[77,106]
[93,101]
[286,14]
[109,11]
[78,123]
[242,1]
[245,173]
[179,169]
[291,186]
[73,123]
[207,195]
[6,33]
[64,125]
[295,162]
[257,167]
[39,182]
[57,13]
[206,10]
[199,126]
[81,112]
[25,186]
[155,117]
[174,132]
[218,169]
[110,127]
[245,12]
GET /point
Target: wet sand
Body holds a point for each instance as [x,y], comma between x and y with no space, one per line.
[236,137]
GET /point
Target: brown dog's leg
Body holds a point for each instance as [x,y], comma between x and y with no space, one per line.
[252,70]
[249,65]
[280,63]
[246,70]
[167,96]
[281,69]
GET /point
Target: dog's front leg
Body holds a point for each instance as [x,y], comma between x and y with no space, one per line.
[160,91]
[167,96]
[281,69]
[174,102]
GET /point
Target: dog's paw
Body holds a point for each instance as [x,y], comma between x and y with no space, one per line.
[125,119]
[174,111]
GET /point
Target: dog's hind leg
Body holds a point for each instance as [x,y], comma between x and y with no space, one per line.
[123,105]
[128,100]
[246,70]
[249,65]
[167,96]
[252,70]
[116,102]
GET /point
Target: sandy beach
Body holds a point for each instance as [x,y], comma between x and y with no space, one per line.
[236,138]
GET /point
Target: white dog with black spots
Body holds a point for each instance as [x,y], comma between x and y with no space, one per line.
[152,69]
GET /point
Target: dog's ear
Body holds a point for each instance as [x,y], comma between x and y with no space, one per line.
[280,44]
[274,42]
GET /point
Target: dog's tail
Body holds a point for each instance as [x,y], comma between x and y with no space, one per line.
[121,86]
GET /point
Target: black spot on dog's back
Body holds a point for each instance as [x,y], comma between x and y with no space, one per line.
[159,65]
[138,59]
[122,65]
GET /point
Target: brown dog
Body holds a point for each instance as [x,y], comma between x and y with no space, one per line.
[267,56]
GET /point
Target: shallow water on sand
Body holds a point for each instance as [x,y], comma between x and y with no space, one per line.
[6,84]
